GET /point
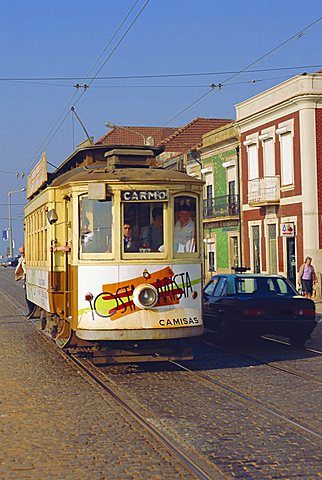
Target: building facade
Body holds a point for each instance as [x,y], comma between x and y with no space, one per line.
[219,155]
[281,175]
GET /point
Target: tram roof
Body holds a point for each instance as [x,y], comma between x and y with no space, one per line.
[79,156]
[100,172]
[113,163]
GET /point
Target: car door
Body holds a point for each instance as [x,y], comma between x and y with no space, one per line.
[213,303]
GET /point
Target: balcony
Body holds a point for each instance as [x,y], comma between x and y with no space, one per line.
[264,191]
[219,207]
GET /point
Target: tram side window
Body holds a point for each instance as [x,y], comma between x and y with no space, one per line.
[95,225]
[143,227]
[185,225]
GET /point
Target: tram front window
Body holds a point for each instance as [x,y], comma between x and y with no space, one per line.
[95,225]
[143,227]
[185,225]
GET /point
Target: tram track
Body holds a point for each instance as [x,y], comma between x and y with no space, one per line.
[296,372]
[245,398]
[199,468]
[283,342]
[192,465]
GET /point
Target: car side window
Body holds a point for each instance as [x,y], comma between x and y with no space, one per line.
[246,285]
[209,289]
[230,290]
[283,287]
[221,287]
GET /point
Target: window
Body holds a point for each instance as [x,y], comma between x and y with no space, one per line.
[221,287]
[263,286]
[269,157]
[210,288]
[208,180]
[245,285]
[252,154]
[95,225]
[143,227]
[211,261]
[185,225]
[233,251]
[287,167]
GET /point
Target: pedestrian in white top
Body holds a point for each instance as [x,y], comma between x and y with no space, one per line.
[20,274]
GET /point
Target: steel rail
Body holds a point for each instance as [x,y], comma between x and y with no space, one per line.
[188,463]
[275,340]
[249,400]
[296,373]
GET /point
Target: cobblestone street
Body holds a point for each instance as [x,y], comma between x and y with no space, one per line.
[56,424]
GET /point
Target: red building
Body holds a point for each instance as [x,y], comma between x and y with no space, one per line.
[281,174]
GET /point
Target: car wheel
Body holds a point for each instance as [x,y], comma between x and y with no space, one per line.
[298,340]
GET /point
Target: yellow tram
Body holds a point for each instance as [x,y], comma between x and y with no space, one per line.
[113,251]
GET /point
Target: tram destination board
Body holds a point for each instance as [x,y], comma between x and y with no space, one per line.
[144,195]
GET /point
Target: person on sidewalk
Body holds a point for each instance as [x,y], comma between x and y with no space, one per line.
[20,274]
[307,277]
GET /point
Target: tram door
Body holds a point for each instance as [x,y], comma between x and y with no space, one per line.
[291,260]
[68,271]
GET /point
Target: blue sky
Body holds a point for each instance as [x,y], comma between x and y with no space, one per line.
[64,38]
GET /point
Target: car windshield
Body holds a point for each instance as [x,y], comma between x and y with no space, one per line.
[263,286]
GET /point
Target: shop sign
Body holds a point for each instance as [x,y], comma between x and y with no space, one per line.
[288,229]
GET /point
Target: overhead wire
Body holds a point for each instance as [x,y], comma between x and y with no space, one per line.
[254,80]
[62,117]
[66,111]
[162,75]
[202,97]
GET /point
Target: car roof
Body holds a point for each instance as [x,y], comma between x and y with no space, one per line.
[245,275]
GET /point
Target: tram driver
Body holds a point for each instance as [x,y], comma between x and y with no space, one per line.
[130,244]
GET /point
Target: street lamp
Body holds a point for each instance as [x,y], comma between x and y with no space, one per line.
[113,125]
[10,219]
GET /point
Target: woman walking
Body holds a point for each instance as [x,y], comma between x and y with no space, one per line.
[307,277]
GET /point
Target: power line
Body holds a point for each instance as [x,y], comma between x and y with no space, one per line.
[161,75]
[200,99]
[66,111]
[64,114]
[122,37]
[110,41]
[254,80]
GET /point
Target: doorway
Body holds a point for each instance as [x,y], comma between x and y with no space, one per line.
[272,248]
[291,259]
[256,249]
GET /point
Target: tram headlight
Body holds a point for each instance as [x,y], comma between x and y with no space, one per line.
[145,296]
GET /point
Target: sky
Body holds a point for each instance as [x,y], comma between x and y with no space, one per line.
[49,47]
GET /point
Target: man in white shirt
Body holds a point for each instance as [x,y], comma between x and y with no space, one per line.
[184,232]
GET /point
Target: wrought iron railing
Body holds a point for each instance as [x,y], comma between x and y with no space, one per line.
[223,206]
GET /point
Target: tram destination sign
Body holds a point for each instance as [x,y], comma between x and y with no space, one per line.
[144,195]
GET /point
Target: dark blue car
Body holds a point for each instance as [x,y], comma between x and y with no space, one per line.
[241,306]
[10,261]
